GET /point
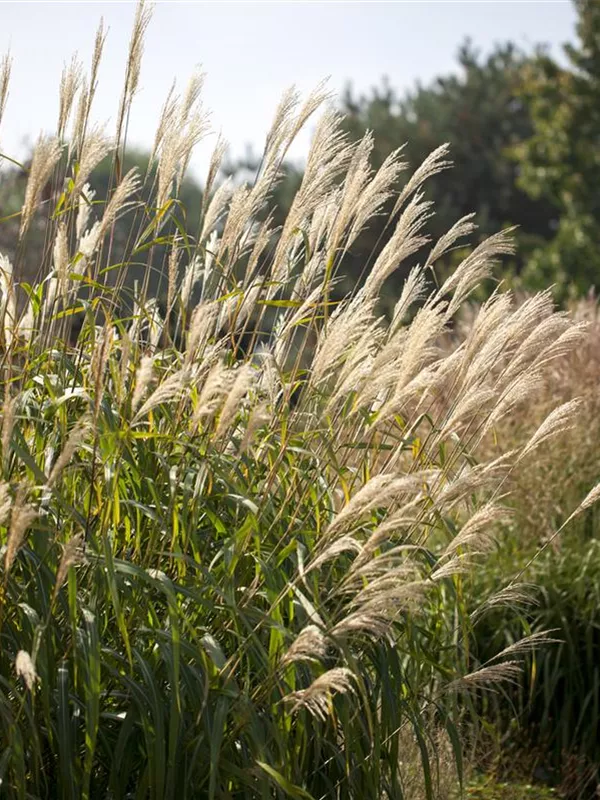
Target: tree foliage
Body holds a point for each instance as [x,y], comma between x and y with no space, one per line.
[560,161]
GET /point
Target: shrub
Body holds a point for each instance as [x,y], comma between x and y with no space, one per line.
[241,572]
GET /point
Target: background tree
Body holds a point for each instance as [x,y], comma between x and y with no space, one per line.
[560,161]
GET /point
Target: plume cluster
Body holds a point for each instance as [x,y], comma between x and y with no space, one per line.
[279,495]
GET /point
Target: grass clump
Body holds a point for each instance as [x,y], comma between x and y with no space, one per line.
[239,571]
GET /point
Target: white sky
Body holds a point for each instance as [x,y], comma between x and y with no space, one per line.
[251,52]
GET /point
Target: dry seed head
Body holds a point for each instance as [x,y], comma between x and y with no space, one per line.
[143,15]
[74,441]
[183,125]
[456,565]
[543,339]
[60,254]
[9,412]
[5,502]
[373,197]
[166,120]
[90,241]
[309,645]
[94,147]
[69,84]
[25,669]
[5,69]
[259,416]
[400,520]
[404,242]
[97,54]
[86,95]
[213,169]
[476,267]
[282,119]
[190,279]
[378,492]
[242,384]
[366,623]
[518,594]
[172,272]
[216,387]
[216,207]
[26,325]
[527,644]
[592,497]
[317,698]
[84,207]
[202,326]
[170,388]
[81,116]
[522,388]
[434,163]
[487,677]
[21,517]
[314,101]
[559,420]
[345,544]
[8,302]
[479,532]
[72,554]
[46,154]
[143,379]
[464,227]
[413,290]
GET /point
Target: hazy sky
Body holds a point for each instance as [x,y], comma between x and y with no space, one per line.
[251,51]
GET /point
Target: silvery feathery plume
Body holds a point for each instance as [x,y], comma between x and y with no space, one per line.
[9,411]
[8,300]
[190,279]
[60,254]
[309,645]
[72,554]
[317,698]
[172,272]
[259,416]
[242,384]
[5,70]
[216,387]
[5,502]
[184,126]
[25,669]
[142,19]
[69,84]
[143,379]
[216,208]
[87,92]
[170,388]
[74,441]
[94,148]
[90,240]
[26,325]
[434,163]
[22,515]
[46,154]
[202,325]
[213,170]
[559,420]
[84,207]
[378,492]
